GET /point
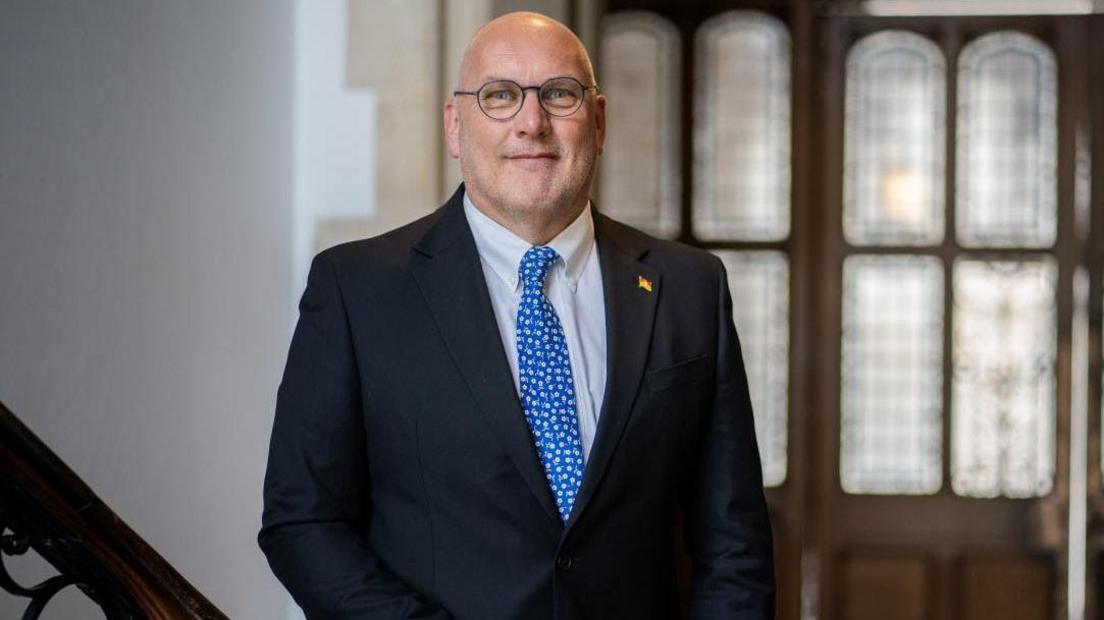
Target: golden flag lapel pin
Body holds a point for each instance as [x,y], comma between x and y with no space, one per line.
[644,283]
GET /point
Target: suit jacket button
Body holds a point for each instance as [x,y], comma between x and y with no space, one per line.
[565,562]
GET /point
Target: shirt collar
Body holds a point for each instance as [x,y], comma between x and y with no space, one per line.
[502,249]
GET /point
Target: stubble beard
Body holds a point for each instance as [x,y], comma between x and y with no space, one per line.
[517,205]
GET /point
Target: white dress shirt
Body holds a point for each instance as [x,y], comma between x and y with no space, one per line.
[573,286]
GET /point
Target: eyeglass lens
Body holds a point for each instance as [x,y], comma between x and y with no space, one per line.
[558,96]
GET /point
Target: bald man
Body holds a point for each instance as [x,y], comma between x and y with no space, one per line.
[503,409]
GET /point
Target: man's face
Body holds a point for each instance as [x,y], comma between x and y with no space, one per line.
[534,164]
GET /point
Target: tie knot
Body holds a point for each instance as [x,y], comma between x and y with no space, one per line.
[535,264]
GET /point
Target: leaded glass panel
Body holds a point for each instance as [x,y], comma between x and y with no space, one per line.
[892,375]
[742,128]
[1003,383]
[638,176]
[893,171]
[759,282]
[1006,194]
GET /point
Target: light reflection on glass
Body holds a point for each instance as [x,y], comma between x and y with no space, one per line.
[892,375]
[638,174]
[1006,143]
[742,128]
[1003,381]
[759,283]
[894,128]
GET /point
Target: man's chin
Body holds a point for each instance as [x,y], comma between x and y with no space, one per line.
[533,193]
[523,197]
[545,200]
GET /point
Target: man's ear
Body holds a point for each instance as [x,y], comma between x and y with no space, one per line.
[600,122]
[452,127]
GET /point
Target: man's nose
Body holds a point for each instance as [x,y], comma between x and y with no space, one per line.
[531,119]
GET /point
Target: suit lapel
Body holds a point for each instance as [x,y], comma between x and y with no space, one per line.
[630,311]
[450,276]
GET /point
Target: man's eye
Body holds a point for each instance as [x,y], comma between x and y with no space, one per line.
[557,93]
[499,95]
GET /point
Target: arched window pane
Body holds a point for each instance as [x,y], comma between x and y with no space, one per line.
[638,175]
[742,128]
[1003,382]
[895,123]
[891,430]
[1006,194]
[759,283]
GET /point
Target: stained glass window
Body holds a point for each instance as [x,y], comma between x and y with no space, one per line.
[892,375]
[1003,383]
[638,176]
[1006,194]
[894,128]
[742,128]
[759,282]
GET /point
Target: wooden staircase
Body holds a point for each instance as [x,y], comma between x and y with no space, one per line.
[46,507]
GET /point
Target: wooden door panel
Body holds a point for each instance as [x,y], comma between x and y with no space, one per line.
[1007,587]
[876,588]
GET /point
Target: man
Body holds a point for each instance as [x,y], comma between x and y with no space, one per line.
[501,410]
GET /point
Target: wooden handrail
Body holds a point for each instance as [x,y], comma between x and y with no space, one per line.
[44,505]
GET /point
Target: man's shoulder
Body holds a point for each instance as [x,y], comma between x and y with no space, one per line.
[664,254]
[388,250]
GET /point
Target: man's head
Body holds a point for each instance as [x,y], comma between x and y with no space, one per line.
[531,172]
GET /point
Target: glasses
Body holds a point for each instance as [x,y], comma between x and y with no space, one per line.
[502,99]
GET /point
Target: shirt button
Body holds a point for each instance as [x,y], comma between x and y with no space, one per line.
[565,562]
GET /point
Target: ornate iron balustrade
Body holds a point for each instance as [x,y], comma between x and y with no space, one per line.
[46,507]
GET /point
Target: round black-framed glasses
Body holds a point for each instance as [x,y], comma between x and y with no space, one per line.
[501,100]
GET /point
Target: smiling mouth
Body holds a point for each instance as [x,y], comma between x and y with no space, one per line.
[527,156]
[533,162]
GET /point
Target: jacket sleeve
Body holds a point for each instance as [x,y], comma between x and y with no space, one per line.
[316,489]
[728,533]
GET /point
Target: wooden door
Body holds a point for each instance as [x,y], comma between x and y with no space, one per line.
[944,480]
[903,256]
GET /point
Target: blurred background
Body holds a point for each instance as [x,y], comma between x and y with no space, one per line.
[902,191]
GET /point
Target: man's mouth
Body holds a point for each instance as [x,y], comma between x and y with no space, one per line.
[539,155]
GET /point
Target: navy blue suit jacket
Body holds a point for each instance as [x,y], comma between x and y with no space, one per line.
[402,481]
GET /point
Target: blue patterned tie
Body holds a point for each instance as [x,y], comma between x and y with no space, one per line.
[547,389]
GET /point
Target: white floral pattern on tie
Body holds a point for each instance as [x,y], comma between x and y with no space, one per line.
[544,375]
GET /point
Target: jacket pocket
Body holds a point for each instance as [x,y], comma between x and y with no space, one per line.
[687,372]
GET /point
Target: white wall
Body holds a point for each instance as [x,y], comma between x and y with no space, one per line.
[335,133]
[145,264]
